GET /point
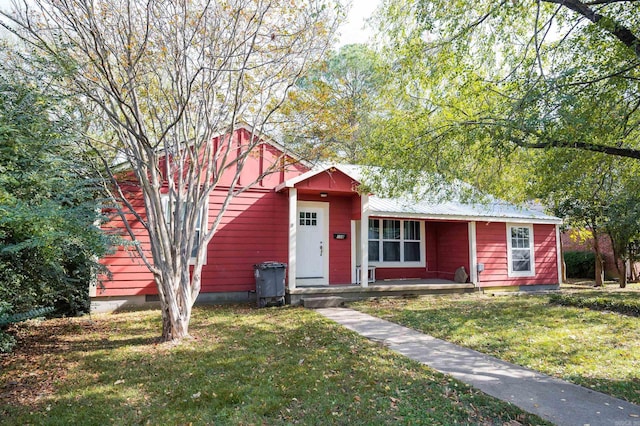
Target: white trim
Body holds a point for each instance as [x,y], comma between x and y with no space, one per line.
[325,247]
[290,183]
[559,254]
[410,216]
[532,260]
[364,236]
[293,233]
[423,258]
[354,259]
[473,253]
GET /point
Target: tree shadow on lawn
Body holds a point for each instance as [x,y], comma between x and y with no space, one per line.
[46,351]
[245,366]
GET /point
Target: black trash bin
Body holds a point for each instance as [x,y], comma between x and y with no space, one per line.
[270,283]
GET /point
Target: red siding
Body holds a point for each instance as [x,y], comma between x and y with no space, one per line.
[128,275]
[328,182]
[452,248]
[340,250]
[254,229]
[491,241]
[402,273]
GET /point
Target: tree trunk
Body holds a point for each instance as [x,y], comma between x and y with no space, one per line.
[599,263]
[174,327]
[619,260]
[622,270]
[599,271]
[175,306]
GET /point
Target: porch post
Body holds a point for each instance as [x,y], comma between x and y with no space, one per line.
[364,240]
[293,228]
[559,255]
[473,254]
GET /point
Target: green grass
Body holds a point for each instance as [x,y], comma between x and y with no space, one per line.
[244,366]
[599,350]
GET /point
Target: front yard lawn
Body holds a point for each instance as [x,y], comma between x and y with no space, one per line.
[244,366]
[596,349]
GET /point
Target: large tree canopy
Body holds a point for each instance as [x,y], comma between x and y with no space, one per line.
[525,99]
[330,110]
[484,78]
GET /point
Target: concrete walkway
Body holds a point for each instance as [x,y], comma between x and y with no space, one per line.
[554,400]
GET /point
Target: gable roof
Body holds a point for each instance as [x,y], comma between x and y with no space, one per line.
[492,210]
[347,169]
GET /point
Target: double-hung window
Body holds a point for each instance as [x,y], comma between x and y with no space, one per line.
[520,250]
[394,242]
[197,230]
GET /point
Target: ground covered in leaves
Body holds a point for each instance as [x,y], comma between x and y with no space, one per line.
[592,348]
[243,366]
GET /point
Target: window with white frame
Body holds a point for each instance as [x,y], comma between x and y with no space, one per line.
[197,228]
[520,250]
[394,242]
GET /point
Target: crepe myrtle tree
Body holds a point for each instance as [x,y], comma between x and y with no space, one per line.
[160,80]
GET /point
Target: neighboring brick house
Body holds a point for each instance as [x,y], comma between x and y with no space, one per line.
[606,249]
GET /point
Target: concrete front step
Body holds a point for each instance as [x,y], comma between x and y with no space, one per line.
[351,292]
[323,302]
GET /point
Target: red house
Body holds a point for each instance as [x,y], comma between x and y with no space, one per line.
[316,221]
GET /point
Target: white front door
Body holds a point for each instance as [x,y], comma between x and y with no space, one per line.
[312,243]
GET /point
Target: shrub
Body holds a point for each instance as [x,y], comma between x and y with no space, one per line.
[49,202]
[580,264]
[7,341]
[598,303]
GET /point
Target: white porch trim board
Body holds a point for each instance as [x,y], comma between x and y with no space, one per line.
[473,254]
[293,234]
[559,254]
[354,259]
[364,239]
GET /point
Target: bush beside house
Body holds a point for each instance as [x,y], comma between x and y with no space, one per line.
[580,264]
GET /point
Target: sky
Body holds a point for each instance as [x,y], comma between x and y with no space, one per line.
[352,31]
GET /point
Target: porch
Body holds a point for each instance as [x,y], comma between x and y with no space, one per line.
[335,295]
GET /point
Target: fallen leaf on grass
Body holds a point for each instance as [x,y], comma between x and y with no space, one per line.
[118,382]
[394,402]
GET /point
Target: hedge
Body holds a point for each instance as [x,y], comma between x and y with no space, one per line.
[599,303]
[580,264]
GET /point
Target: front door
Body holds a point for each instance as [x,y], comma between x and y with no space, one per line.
[312,243]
